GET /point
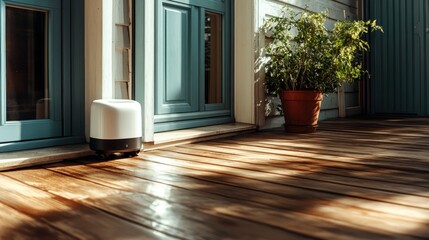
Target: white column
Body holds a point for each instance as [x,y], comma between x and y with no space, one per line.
[244,63]
[98,53]
[144,49]
[108,48]
[149,71]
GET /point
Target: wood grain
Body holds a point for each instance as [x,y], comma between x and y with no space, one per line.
[353,179]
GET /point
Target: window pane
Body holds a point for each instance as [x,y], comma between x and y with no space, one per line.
[27,89]
[213,58]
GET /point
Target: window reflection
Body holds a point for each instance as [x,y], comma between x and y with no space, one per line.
[213,58]
[27,88]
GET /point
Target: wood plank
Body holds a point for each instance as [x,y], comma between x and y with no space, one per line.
[300,171]
[392,159]
[380,121]
[358,171]
[178,195]
[150,209]
[363,137]
[280,176]
[382,161]
[15,225]
[286,203]
[340,145]
[253,212]
[412,128]
[353,179]
[73,218]
[287,191]
[109,200]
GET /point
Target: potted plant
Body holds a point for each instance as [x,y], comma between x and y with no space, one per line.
[305,60]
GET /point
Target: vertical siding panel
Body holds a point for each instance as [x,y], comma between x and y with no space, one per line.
[397,15]
[426,76]
[400,66]
[419,25]
[422,79]
[402,56]
[122,60]
[389,84]
[412,47]
[409,60]
[417,55]
[405,26]
[423,83]
[416,47]
[390,55]
[384,84]
[377,57]
[400,17]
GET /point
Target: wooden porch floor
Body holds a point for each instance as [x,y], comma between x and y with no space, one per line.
[353,179]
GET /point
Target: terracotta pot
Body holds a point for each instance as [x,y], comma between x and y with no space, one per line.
[301,110]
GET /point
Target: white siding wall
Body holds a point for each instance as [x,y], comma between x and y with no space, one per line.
[122,55]
[338,9]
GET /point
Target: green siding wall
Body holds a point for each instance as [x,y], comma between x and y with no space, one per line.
[399,81]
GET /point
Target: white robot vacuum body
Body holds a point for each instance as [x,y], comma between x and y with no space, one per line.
[116,127]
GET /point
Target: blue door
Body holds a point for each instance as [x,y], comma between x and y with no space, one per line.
[193,65]
[31,70]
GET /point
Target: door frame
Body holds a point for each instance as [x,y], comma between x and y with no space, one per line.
[200,114]
[14,131]
[145,55]
[72,80]
[242,62]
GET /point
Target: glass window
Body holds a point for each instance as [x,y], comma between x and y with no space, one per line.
[27,86]
[213,58]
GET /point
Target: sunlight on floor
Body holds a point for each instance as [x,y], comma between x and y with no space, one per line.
[396,218]
[160,207]
[14,159]
[159,190]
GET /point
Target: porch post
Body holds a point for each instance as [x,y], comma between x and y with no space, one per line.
[244,63]
[98,53]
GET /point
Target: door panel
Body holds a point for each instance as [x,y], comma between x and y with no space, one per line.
[30,90]
[177,83]
[217,5]
[193,65]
